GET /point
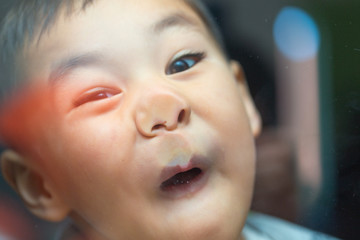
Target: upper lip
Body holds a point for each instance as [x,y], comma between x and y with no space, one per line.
[195,162]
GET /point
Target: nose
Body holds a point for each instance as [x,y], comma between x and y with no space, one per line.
[160,110]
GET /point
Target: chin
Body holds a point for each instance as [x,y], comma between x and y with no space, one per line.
[216,230]
[219,223]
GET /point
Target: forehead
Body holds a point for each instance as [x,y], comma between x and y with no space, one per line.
[121,18]
[128,11]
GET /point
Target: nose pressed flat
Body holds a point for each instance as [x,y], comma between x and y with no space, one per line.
[161,110]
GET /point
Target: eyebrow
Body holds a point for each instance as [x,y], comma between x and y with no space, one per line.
[174,20]
[76,61]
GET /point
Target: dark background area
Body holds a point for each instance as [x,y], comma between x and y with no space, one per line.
[247,27]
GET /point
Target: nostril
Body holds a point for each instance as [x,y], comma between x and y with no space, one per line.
[181,116]
[158,126]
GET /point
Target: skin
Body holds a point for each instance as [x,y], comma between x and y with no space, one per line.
[121,118]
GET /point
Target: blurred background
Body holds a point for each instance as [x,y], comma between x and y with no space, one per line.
[301,59]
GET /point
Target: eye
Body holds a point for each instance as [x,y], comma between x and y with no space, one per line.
[184,62]
[95,94]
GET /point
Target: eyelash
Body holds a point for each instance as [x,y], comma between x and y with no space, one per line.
[186,61]
[95,95]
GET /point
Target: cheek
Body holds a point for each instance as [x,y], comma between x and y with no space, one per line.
[102,179]
[96,135]
[88,155]
[220,104]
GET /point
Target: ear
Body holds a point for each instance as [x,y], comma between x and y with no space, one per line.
[253,114]
[38,196]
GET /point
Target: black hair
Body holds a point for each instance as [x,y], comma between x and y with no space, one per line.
[19,27]
[211,23]
[28,19]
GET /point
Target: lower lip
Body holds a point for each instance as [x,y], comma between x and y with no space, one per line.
[187,189]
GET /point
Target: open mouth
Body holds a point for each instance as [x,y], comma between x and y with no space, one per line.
[177,181]
[182,178]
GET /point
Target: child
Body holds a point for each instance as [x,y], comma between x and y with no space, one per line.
[133,122]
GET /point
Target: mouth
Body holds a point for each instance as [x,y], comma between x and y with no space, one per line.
[181,178]
[179,181]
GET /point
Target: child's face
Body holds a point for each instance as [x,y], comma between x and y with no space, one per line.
[143,93]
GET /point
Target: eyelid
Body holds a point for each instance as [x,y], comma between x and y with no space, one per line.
[187,53]
[90,95]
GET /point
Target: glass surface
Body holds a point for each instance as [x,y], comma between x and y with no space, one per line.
[330,205]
